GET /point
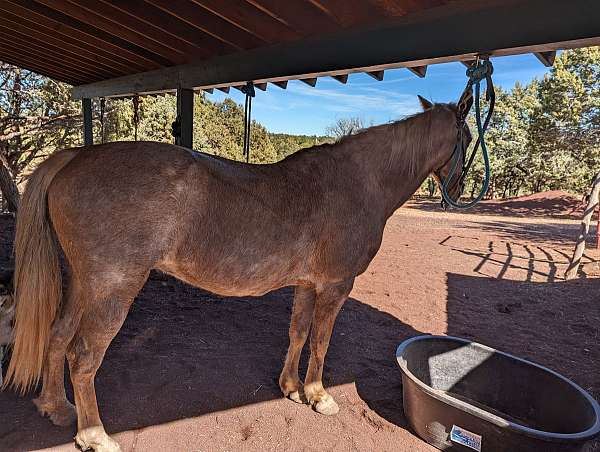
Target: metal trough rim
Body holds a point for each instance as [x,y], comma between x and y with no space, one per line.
[486,416]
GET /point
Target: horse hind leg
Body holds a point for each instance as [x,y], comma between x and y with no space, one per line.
[101,321]
[302,313]
[52,401]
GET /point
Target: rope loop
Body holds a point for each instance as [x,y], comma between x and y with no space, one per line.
[478,72]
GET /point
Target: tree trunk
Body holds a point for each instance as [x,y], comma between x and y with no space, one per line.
[8,187]
[585,228]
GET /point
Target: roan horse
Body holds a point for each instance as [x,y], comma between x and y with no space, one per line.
[314,221]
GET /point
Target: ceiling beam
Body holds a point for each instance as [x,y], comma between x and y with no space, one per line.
[78,50]
[495,27]
[419,71]
[29,45]
[250,19]
[310,81]
[300,15]
[157,24]
[74,31]
[184,16]
[282,84]
[225,89]
[343,79]
[377,75]
[93,14]
[547,58]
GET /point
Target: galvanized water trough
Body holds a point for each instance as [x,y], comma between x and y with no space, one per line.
[463,396]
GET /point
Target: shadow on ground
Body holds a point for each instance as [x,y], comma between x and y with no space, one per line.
[183,353]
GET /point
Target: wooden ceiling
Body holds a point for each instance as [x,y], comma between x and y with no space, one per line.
[125,47]
[83,41]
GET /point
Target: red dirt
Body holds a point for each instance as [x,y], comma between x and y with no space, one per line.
[550,204]
[192,371]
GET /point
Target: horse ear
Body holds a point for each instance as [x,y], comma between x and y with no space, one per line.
[464,105]
[425,103]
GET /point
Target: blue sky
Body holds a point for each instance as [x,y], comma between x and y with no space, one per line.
[301,109]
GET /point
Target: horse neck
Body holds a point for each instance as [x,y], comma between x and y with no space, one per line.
[393,160]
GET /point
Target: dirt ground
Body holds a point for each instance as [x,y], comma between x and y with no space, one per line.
[194,372]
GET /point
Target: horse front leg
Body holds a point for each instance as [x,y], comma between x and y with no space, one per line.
[329,300]
[302,314]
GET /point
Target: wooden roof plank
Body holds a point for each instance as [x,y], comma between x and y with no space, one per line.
[35,65]
[251,19]
[302,16]
[70,28]
[39,33]
[202,21]
[159,24]
[46,57]
[28,43]
[88,18]
[350,13]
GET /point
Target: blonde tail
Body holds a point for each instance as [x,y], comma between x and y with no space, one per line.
[37,279]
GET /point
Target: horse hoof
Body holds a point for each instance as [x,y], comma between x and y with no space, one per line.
[61,414]
[295,397]
[96,439]
[326,406]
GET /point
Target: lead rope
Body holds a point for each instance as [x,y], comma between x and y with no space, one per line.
[482,69]
[248,90]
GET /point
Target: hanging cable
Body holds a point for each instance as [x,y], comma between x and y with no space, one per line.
[102,106]
[136,116]
[248,90]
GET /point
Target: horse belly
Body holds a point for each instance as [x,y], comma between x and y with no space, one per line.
[233,275]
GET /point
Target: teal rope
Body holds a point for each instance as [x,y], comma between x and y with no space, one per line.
[476,74]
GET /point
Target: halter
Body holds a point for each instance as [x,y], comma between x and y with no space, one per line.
[482,69]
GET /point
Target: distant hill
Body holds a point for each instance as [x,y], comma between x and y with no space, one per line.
[286,144]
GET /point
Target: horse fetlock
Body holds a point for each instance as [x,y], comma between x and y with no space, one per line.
[96,439]
[288,384]
[60,412]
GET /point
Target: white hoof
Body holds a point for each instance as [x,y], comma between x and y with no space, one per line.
[326,406]
[295,397]
[96,439]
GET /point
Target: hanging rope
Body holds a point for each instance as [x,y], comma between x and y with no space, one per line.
[136,116]
[248,90]
[102,106]
[481,70]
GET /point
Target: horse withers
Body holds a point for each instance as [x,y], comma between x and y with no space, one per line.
[314,221]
